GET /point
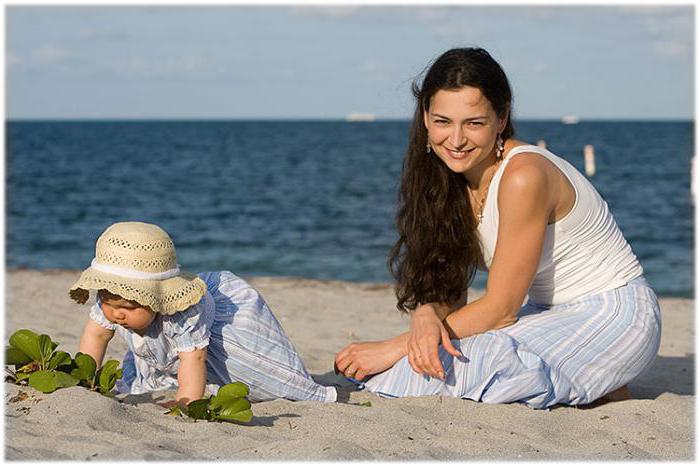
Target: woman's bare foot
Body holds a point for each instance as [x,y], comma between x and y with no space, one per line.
[620,394]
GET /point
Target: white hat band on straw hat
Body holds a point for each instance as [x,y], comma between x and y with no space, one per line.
[130,273]
[137,261]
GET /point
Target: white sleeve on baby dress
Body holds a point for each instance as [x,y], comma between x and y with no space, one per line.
[98,316]
[190,329]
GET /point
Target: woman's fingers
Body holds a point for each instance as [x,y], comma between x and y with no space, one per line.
[360,374]
[435,364]
[447,344]
[423,362]
[347,364]
[350,370]
[429,360]
[342,363]
[412,361]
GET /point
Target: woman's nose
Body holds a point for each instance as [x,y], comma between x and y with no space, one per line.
[457,137]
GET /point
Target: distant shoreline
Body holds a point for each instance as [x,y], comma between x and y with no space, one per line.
[339,119]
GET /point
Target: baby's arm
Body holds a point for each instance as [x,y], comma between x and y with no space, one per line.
[94,340]
[191,375]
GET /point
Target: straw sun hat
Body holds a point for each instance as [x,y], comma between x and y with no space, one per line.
[137,261]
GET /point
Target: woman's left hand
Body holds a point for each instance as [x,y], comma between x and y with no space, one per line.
[358,360]
[426,334]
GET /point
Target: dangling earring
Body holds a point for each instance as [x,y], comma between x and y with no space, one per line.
[499,146]
[427,147]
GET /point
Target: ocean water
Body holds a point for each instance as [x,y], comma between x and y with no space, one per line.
[303,198]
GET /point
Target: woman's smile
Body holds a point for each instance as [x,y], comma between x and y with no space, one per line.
[458,154]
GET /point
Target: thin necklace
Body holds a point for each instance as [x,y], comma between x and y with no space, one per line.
[480,215]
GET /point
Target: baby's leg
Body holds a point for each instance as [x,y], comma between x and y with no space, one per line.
[248,344]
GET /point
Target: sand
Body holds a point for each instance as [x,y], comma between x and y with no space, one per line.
[321,318]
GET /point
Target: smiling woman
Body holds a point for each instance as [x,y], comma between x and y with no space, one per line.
[473,196]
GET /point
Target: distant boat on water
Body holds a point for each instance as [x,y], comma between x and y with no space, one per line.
[360,117]
[570,119]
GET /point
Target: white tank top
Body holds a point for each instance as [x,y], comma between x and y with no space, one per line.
[583,253]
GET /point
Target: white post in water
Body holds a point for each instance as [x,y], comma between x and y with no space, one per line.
[589,159]
[542,144]
[693,184]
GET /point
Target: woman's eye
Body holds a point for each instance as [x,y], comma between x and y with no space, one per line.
[476,123]
[441,122]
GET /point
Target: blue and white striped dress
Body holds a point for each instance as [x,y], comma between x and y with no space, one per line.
[244,341]
[592,323]
[569,353]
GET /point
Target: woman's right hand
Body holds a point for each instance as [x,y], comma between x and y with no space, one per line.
[358,360]
[426,334]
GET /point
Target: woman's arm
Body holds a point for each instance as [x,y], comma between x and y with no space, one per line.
[94,340]
[525,206]
[191,376]
[525,203]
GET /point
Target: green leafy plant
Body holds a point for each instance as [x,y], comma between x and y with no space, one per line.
[35,358]
[228,405]
[102,380]
[38,363]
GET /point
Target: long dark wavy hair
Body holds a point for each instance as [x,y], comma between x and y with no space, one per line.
[437,253]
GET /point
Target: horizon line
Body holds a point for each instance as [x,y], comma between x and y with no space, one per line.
[319,119]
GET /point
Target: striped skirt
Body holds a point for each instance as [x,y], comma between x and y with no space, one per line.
[570,353]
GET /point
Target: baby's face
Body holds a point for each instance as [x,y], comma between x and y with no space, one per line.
[128,314]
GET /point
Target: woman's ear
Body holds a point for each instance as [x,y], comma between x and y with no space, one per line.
[425,118]
[502,121]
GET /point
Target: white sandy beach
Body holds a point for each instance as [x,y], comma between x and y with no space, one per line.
[321,318]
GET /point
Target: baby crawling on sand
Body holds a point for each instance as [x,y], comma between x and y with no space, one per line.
[185,332]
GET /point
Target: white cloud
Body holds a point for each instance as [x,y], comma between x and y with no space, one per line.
[541,67]
[672,49]
[93,34]
[376,70]
[50,53]
[12,61]
[332,12]
[139,67]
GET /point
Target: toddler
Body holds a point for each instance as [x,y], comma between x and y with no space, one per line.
[185,332]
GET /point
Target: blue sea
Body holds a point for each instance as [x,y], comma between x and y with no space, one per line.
[314,199]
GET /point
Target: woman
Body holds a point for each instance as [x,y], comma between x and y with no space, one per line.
[473,196]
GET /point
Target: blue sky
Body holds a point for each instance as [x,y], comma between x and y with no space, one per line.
[304,61]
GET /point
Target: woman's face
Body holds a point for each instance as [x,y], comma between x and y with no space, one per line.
[462,128]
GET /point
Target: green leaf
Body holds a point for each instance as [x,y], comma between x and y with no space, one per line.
[229,392]
[367,404]
[48,381]
[65,380]
[85,370]
[108,375]
[232,406]
[233,390]
[21,376]
[174,411]
[198,409]
[44,381]
[16,356]
[27,342]
[45,348]
[240,416]
[59,358]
